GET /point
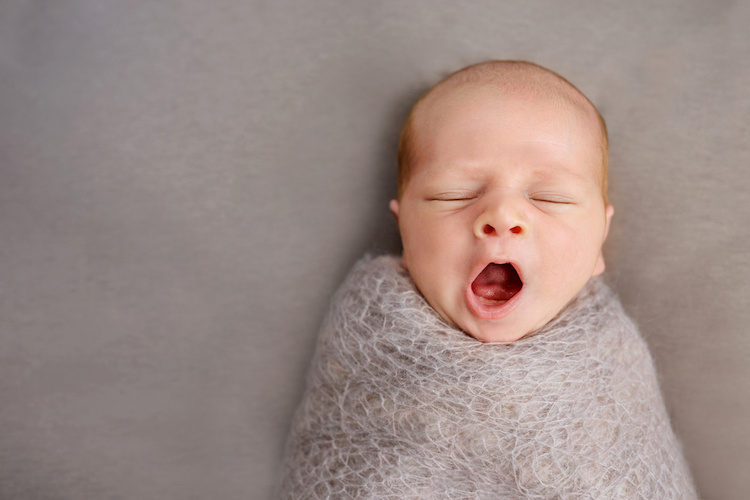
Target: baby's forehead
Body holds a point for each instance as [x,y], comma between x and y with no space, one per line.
[456,103]
[519,81]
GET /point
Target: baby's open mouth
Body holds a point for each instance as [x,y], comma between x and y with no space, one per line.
[497,282]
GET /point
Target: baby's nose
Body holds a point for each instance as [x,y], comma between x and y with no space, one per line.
[501,217]
[489,229]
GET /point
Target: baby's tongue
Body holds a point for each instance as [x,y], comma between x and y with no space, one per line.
[497,282]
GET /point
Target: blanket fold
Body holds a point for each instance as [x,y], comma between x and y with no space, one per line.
[399,404]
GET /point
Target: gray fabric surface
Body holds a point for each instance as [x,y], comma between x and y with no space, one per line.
[183,184]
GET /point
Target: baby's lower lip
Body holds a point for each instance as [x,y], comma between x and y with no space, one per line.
[484,308]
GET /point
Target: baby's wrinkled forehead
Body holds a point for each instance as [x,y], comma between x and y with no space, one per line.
[499,80]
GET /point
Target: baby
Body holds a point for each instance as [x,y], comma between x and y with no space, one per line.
[502,209]
[502,197]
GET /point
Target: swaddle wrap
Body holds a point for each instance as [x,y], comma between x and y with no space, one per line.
[399,404]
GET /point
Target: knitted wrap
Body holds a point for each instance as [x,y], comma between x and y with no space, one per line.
[399,404]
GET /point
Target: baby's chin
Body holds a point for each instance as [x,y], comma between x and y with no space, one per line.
[497,333]
[505,329]
[488,331]
[514,326]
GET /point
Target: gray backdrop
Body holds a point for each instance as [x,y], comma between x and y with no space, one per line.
[183,184]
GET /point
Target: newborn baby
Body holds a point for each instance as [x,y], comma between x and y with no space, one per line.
[502,197]
[488,361]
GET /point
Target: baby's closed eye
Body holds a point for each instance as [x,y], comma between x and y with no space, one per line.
[552,198]
[559,200]
[454,196]
[553,202]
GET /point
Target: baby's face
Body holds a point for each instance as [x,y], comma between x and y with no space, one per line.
[502,219]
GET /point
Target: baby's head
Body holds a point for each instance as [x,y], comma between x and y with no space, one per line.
[502,202]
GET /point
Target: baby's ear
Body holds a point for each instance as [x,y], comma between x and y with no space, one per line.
[599,269]
[609,211]
[393,205]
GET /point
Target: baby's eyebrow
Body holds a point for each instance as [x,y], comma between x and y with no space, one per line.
[455,175]
[560,173]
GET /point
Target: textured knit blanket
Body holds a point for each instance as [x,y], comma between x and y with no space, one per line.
[400,404]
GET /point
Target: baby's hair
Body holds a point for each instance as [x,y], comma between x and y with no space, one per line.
[509,77]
